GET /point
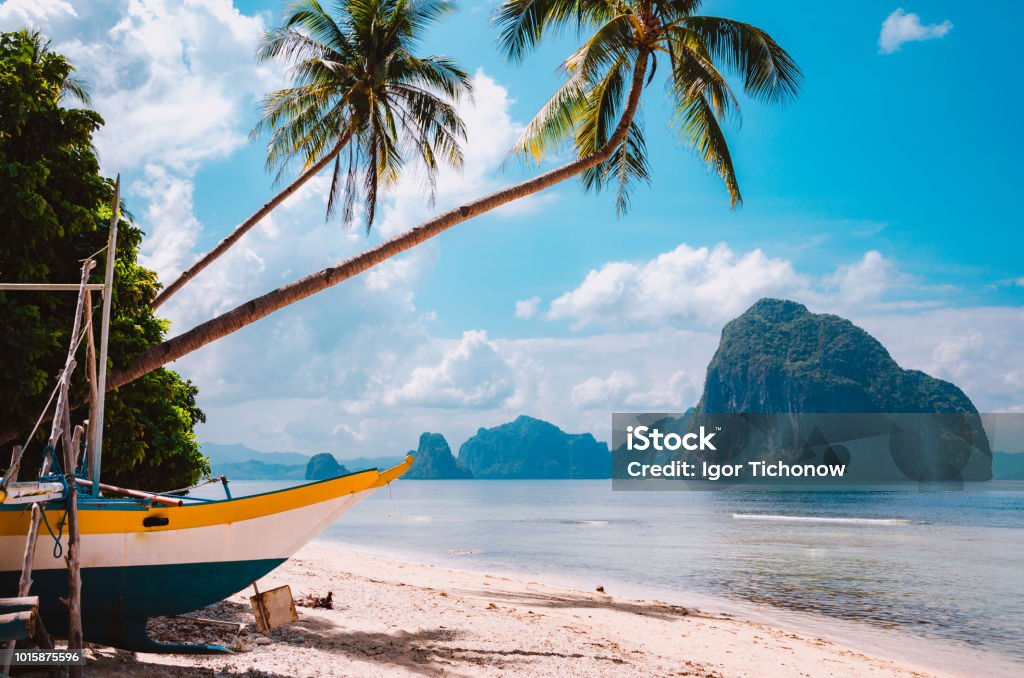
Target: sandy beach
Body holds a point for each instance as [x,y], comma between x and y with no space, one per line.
[392,618]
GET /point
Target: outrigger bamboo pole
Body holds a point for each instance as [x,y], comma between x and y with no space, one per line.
[135,494]
[96,418]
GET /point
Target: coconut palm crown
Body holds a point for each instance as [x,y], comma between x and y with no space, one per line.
[595,109]
[624,35]
[362,92]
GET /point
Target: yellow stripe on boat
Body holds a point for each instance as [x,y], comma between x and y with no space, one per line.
[98,520]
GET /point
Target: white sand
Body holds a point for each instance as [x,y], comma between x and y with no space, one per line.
[401,619]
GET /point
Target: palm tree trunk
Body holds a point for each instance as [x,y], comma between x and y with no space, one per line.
[260,307]
[247,225]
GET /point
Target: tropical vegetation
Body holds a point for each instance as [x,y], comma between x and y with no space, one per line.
[362,100]
[55,208]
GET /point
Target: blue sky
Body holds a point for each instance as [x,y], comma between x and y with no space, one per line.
[884,193]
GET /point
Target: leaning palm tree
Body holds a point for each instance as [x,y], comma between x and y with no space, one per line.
[595,109]
[362,100]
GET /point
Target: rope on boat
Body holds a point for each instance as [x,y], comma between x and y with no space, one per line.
[58,548]
[208,480]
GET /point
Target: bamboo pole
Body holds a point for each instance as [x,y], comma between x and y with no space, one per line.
[96,418]
[46,287]
[136,494]
[12,473]
[74,599]
[90,373]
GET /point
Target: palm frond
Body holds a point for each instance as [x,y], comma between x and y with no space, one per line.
[626,167]
[554,123]
[523,23]
[699,129]
[362,96]
[76,87]
[769,73]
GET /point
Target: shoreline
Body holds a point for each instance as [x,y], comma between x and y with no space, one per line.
[933,656]
[392,617]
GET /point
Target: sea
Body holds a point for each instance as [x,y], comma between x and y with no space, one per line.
[933,576]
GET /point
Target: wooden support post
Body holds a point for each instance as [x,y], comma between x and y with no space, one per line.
[59,416]
[96,418]
[74,599]
[16,468]
[12,472]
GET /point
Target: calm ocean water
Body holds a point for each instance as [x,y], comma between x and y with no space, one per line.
[944,565]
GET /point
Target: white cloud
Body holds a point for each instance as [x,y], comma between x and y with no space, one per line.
[867,279]
[175,82]
[604,391]
[527,308]
[707,285]
[169,221]
[900,27]
[978,349]
[18,13]
[626,391]
[470,374]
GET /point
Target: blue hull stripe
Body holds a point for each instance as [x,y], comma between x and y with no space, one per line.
[116,601]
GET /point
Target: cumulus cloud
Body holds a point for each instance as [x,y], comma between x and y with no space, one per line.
[622,390]
[175,82]
[34,12]
[169,220]
[901,27]
[867,279]
[708,285]
[470,374]
[527,308]
[978,349]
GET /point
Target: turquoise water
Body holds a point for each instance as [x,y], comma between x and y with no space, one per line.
[945,565]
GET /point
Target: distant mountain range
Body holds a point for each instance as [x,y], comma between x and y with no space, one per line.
[777,357]
[239,462]
[526,448]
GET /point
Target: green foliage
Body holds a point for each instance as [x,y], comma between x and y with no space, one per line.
[55,211]
[359,84]
[587,108]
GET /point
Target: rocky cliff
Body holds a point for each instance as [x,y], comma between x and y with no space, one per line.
[532,448]
[435,461]
[778,357]
[324,466]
